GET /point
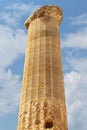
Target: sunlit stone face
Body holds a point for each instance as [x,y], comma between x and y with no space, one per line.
[42,103]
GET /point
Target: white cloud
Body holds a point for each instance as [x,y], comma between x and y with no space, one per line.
[72,81]
[23,8]
[12,14]
[9,92]
[75,40]
[79,20]
[76,96]
[12,44]
[79,64]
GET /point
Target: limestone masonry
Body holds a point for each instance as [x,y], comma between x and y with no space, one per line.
[42,105]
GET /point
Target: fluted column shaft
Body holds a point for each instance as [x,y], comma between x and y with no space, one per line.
[43,102]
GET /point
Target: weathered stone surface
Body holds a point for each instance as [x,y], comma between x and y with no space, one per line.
[50,11]
[42,103]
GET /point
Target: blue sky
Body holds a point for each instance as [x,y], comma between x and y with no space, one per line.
[73,33]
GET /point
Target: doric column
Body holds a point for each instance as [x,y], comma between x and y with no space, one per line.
[42,103]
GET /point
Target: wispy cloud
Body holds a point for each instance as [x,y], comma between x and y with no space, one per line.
[12,14]
[10,85]
[76,39]
[23,8]
[79,20]
[79,65]
[75,88]
[12,44]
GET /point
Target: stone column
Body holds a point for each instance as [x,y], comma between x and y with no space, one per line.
[42,103]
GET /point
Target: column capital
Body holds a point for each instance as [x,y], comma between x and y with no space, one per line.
[52,11]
